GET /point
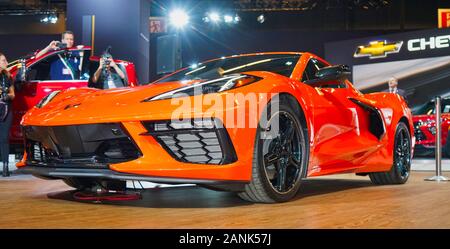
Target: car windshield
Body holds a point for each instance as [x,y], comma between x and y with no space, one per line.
[429,109]
[17,61]
[282,64]
[12,64]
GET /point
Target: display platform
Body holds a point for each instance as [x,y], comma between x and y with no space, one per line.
[340,201]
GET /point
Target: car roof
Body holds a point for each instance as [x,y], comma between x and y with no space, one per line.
[254,54]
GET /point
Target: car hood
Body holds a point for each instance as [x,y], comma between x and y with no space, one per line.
[87,105]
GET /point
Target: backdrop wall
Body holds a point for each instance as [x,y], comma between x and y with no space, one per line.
[121,24]
[15,46]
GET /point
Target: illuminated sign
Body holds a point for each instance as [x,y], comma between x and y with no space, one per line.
[378,49]
[443,18]
[157,25]
[430,43]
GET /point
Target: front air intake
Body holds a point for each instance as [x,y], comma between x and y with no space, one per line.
[203,141]
[93,145]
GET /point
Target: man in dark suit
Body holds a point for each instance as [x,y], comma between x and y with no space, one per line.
[393,87]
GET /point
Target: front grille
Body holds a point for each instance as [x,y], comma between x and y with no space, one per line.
[194,141]
[96,145]
[418,133]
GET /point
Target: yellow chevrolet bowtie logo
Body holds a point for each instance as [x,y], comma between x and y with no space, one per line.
[378,49]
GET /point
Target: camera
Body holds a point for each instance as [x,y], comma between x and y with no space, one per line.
[61,45]
[4,92]
[107,55]
[107,62]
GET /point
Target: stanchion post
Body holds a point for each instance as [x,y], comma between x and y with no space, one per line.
[438,148]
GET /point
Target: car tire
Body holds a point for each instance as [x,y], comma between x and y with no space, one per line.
[292,158]
[401,167]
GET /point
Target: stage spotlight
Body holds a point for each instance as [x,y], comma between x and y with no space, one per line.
[178,18]
[214,17]
[53,19]
[237,19]
[228,19]
[261,18]
[45,19]
[206,19]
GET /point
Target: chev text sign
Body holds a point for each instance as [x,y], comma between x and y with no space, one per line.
[434,42]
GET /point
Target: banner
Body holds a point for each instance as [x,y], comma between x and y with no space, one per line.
[419,60]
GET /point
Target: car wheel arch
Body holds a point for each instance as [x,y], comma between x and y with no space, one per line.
[292,101]
[405,120]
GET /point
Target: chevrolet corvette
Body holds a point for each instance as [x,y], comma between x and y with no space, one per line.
[255,124]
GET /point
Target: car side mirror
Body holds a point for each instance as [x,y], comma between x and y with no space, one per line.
[332,73]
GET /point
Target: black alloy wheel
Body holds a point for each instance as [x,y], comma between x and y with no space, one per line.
[400,170]
[280,157]
[282,154]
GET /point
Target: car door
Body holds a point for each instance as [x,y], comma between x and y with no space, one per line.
[338,124]
[57,71]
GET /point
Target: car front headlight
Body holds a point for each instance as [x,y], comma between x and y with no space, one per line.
[211,86]
[47,99]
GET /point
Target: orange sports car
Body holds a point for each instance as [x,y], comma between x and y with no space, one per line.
[255,124]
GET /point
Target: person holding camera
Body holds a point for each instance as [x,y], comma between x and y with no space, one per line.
[66,66]
[6,97]
[108,75]
[67,41]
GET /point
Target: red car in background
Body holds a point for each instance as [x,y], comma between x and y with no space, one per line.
[40,80]
[425,128]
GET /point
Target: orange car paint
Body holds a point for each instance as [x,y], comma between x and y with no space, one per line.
[338,128]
